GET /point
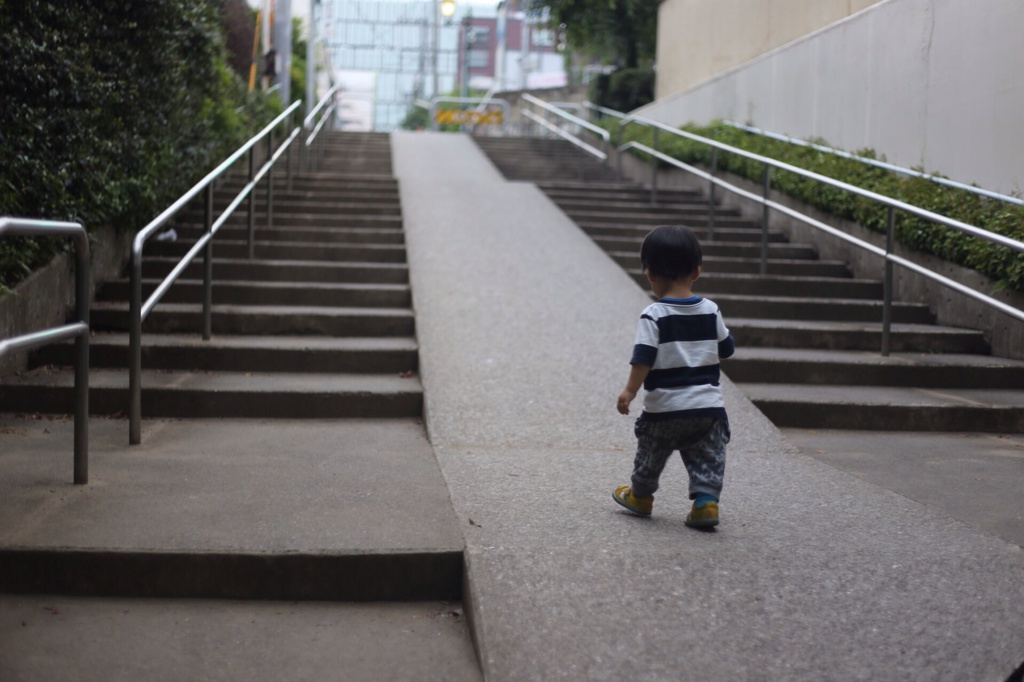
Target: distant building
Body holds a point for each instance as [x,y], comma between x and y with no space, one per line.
[407,52]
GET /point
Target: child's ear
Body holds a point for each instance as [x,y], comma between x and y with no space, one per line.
[696,273]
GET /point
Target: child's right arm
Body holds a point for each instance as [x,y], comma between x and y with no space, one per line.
[637,374]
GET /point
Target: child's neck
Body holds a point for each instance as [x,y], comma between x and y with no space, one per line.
[678,289]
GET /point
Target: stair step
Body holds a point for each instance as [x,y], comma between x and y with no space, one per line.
[281,219]
[203,395]
[353,355]
[286,251]
[866,368]
[722,236]
[776,266]
[190,232]
[231,640]
[177,318]
[814,309]
[235,292]
[319,210]
[776,251]
[283,271]
[717,284]
[889,408]
[853,336]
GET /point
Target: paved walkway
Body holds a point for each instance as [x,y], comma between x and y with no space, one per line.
[525,328]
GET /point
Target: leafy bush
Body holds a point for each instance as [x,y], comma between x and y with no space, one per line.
[1003,265]
[623,89]
[112,109]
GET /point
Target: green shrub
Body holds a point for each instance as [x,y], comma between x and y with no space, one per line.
[1003,265]
[112,109]
[623,89]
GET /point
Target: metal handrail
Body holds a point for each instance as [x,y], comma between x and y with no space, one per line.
[311,153]
[879,164]
[140,310]
[838,184]
[78,330]
[886,253]
[597,130]
[603,110]
[590,149]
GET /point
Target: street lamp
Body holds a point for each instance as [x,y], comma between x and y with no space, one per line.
[447,8]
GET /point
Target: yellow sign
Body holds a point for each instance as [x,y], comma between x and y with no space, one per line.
[466,117]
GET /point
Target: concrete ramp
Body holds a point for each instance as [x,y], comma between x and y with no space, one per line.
[525,330]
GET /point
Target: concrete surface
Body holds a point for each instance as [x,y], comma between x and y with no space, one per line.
[525,331]
[525,328]
[977,478]
[63,639]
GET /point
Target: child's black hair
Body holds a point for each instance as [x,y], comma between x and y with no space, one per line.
[670,251]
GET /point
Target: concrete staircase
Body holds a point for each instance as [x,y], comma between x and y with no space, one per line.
[300,469]
[317,325]
[809,334]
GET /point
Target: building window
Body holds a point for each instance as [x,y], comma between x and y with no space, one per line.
[478,59]
[543,37]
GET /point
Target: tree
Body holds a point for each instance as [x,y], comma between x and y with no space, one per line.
[617,31]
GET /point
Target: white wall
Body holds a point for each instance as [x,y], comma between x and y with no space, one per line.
[698,39]
[935,83]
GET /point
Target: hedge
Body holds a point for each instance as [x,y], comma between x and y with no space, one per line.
[1004,266]
[112,108]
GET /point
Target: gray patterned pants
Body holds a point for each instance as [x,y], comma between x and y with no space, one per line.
[700,441]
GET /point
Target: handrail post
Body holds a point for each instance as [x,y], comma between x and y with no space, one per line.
[208,265]
[654,168]
[270,180]
[135,350]
[711,193]
[288,126]
[252,200]
[83,282]
[766,182]
[890,222]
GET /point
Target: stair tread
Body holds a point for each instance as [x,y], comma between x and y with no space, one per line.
[853,357]
[232,341]
[247,382]
[840,326]
[879,395]
[266,309]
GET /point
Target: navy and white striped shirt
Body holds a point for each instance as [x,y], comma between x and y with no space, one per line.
[682,340]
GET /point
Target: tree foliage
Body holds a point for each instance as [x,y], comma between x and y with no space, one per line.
[623,32]
[112,108]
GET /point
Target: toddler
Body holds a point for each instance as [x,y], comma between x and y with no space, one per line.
[679,342]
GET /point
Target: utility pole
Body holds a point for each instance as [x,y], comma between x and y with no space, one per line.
[311,58]
[283,44]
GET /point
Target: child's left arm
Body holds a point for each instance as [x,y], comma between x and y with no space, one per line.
[637,374]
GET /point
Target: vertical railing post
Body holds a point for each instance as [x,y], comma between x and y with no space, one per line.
[654,168]
[252,199]
[766,182]
[288,127]
[890,222]
[208,265]
[270,180]
[135,349]
[711,193]
[83,284]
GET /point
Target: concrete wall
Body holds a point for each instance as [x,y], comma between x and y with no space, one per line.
[699,39]
[935,83]
[47,297]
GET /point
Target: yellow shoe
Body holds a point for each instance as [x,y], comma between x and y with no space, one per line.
[703,516]
[638,505]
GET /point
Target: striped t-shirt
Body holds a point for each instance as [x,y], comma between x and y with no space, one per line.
[682,340]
